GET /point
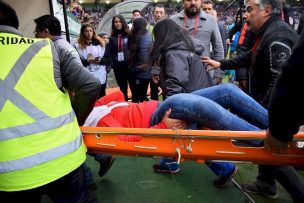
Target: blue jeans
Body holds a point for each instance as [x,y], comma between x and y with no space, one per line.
[208,108]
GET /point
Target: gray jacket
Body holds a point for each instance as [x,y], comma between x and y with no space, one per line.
[182,70]
[62,45]
[222,29]
[71,75]
[207,31]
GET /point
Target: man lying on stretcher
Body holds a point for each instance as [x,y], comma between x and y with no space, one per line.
[206,108]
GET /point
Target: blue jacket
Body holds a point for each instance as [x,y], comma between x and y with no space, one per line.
[142,66]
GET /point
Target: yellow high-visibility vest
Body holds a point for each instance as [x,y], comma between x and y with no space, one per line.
[40,140]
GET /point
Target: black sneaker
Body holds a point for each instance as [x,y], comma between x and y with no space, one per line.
[105,166]
[223,180]
[255,189]
[165,168]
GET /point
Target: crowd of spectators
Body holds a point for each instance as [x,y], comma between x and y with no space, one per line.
[87,14]
[93,13]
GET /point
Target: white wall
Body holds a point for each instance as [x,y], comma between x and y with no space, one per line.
[27,11]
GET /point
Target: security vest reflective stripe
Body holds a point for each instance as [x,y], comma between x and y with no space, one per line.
[40,140]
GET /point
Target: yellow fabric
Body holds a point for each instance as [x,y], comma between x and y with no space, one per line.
[32,177]
[38,86]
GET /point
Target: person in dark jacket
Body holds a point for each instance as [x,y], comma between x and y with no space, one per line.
[181,71]
[286,113]
[140,45]
[118,48]
[273,43]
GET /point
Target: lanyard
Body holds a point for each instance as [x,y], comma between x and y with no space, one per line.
[195,27]
[120,43]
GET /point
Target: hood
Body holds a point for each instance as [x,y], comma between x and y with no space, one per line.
[9,29]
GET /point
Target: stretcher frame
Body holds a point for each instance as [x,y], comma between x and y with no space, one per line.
[198,145]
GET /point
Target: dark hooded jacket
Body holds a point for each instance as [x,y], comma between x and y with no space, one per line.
[182,70]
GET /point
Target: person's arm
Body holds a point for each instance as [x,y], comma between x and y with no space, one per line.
[216,41]
[85,62]
[241,60]
[82,58]
[105,60]
[76,79]
[170,123]
[223,36]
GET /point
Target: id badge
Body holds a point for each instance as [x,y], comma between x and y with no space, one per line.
[120,56]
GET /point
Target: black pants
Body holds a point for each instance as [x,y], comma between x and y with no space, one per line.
[69,189]
[287,176]
[139,89]
[121,73]
[103,90]
[153,90]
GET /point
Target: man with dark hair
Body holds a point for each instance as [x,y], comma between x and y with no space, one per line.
[48,26]
[208,7]
[48,22]
[40,120]
[8,16]
[202,27]
[136,13]
[159,12]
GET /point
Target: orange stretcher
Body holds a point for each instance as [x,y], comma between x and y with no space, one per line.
[198,145]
